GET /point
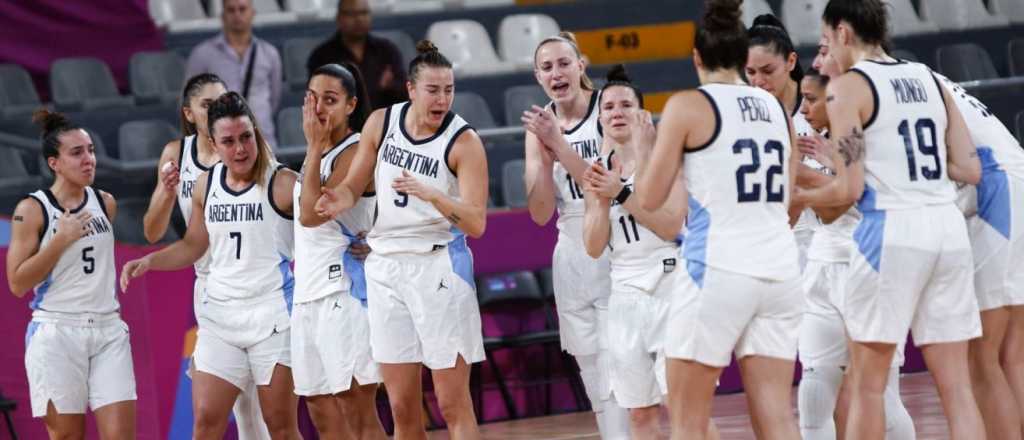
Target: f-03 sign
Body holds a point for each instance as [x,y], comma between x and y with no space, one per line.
[638,43]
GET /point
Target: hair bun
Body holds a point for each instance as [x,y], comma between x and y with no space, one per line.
[50,121]
[722,15]
[425,47]
[568,36]
[768,20]
[618,74]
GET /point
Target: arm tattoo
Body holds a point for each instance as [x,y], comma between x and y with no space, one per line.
[454,218]
[19,218]
[851,147]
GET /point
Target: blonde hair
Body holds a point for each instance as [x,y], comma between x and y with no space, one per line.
[570,39]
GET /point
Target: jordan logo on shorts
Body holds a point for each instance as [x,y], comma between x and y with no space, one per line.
[441,285]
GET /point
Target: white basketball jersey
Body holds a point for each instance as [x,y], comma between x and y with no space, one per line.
[738,218]
[800,124]
[84,279]
[987,132]
[250,241]
[585,138]
[320,269]
[905,156]
[405,223]
[637,255]
[189,169]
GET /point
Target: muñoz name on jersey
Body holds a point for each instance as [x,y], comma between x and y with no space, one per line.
[585,138]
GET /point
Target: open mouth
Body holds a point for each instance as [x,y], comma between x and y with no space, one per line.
[437,114]
[560,87]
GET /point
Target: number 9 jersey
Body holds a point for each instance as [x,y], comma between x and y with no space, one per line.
[738,219]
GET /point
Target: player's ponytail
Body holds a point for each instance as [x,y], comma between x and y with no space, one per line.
[52,125]
[617,76]
[427,55]
[722,39]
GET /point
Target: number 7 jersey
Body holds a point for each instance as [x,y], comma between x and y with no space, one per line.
[738,184]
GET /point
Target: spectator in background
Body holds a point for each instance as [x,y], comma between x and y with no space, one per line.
[247,64]
[377,58]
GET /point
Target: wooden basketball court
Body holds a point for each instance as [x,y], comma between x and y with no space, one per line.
[730,414]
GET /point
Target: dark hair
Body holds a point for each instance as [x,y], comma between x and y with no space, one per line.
[869,18]
[769,31]
[570,39]
[352,81]
[426,55]
[812,73]
[192,88]
[233,105]
[618,77]
[53,125]
[721,39]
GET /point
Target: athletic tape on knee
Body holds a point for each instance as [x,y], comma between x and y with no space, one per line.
[817,395]
[613,421]
[898,424]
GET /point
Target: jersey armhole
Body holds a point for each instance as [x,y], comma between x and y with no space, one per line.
[209,183]
[181,151]
[270,194]
[451,143]
[385,127]
[939,86]
[718,125]
[874,95]
[46,218]
[789,122]
[101,201]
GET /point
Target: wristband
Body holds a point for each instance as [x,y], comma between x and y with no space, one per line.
[623,195]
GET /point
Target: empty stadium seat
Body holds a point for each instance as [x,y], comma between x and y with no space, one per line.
[904,20]
[473,108]
[416,6]
[18,96]
[139,144]
[291,146]
[960,14]
[519,34]
[310,8]
[803,20]
[267,12]
[295,56]
[84,84]
[156,77]
[513,187]
[965,62]
[1015,57]
[128,226]
[181,15]
[519,99]
[1011,9]
[14,176]
[467,45]
[498,153]
[404,43]
[753,8]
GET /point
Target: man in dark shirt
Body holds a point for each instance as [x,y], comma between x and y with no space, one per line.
[377,58]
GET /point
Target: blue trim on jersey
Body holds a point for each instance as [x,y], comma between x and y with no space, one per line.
[695,248]
[870,232]
[287,281]
[993,193]
[5,233]
[355,268]
[462,259]
[37,300]
[31,331]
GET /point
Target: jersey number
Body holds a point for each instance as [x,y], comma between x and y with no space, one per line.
[625,229]
[924,131]
[574,188]
[403,200]
[90,262]
[753,194]
[238,244]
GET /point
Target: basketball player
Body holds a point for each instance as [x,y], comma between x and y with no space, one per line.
[643,251]
[823,342]
[430,174]
[910,269]
[241,213]
[996,230]
[742,289]
[77,352]
[331,359]
[181,162]
[562,140]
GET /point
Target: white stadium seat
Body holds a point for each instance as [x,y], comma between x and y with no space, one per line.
[467,45]
[803,20]
[518,36]
[753,8]
[1011,9]
[960,14]
[904,20]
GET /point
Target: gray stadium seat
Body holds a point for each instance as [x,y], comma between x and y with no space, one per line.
[267,12]
[513,188]
[753,8]
[519,99]
[519,34]
[904,20]
[128,222]
[960,14]
[404,43]
[296,55]
[181,15]
[1020,127]
[1015,57]
[14,176]
[310,8]
[84,84]
[803,20]
[1011,9]
[140,143]
[156,77]
[291,146]
[474,110]
[18,98]
[468,46]
[498,153]
[903,54]
[965,62]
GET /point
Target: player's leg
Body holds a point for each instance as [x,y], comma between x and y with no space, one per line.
[451,385]
[1012,356]
[403,384]
[116,420]
[327,415]
[869,372]
[991,389]
[63,426]
[359,404]
[948,364]
[112,382]
[691,390]
[898,424]
[280,405]
[248,416]
[767,383]
[212,399]
[822,351]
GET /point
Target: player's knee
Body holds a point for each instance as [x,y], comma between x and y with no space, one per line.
[817,396]
[279,419]
[405,413]
[643,417]
[454,405]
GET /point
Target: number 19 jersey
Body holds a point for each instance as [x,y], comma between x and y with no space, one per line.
[905,138]
[738,219]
